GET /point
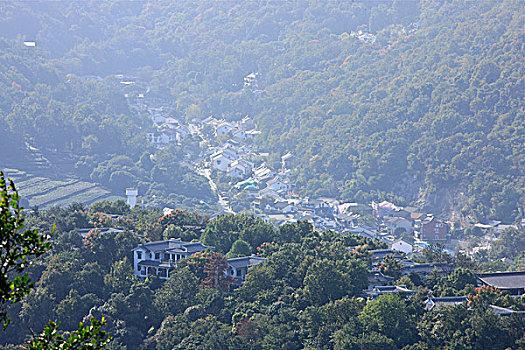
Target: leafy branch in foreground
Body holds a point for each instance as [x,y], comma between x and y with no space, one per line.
[85,338]
[17,246]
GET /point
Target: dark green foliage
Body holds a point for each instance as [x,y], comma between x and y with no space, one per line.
[305,295]
[177,293]
[90,337]
[510,243]
[18,247]
[239,248]
[388,316]
[118,207]
[222,232]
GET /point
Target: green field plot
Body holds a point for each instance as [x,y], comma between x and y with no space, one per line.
[88,196]
[44,192]
[43,187]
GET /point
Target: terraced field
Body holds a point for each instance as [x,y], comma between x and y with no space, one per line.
[45,192]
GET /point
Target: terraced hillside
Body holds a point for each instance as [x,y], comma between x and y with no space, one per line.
[44,192]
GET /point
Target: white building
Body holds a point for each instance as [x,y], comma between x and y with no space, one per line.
[240,168]
[250,81]
[278,185]
[402,246]
[132,194]
[159,258]
[238,267]
[223,128]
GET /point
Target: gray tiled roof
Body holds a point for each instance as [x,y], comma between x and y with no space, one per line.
[444,301]
[245,261]
[174,245]
[503,280]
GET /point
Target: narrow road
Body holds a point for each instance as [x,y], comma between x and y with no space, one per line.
[222,202]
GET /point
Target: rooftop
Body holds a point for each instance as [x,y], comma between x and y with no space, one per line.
[503,280]
[245,261]
[174,245]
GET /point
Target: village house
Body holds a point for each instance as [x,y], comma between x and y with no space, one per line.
[425,268]
[160,139]
[402,246]
[263,173]
[222,159]
[431,229]
[505,312]
[238,134]
[382,209]
[376,278]
[286,161]
[274,206]
[268,192]
[378,255]
[286,207]
[381,290]
[247,123]
[347,220]
[223,128]
[250,81]
[363,232]
[181,131]
[158,119]
[240,168]
[394,222]
[209,121]
[171,123]
[278,185]
[305,215]
[238,267]
[250,134]
[434,303]
[281,219]
[324,224]
[159,258]
[85,231]
[439,302]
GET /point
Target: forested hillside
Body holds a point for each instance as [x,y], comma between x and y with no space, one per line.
[311,292]
[430,113]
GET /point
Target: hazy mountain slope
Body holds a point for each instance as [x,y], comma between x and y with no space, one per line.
[429,112]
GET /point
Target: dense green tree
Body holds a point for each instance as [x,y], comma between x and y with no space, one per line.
[239,248]
[323,282]
[177,293]
[388,316]
[118,207]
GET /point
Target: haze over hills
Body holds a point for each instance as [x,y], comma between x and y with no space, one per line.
[420,103]
[328,175]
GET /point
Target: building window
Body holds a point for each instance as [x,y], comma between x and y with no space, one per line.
[151,255]
[139,255]
[157,256]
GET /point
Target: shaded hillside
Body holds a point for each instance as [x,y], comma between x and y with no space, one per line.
[431,112]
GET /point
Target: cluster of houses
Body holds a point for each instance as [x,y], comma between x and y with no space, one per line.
[166,130]
[390,223]
[511,283]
